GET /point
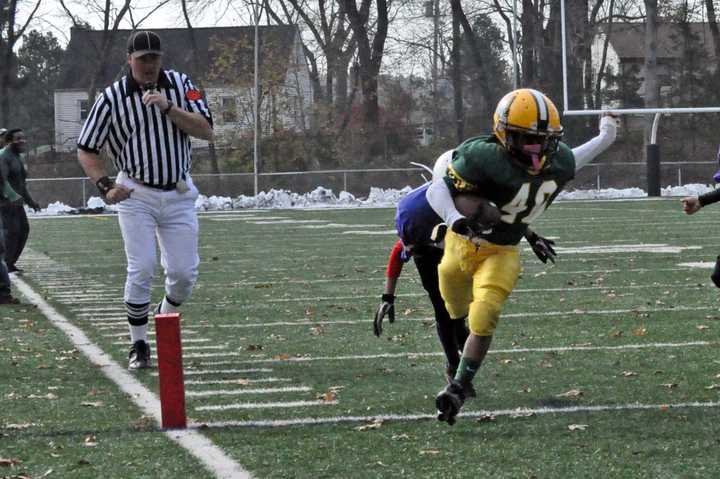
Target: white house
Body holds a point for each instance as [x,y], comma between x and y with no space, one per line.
[221,65]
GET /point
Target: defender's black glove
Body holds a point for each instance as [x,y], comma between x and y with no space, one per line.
[387,307]
[542,247]
[34,205]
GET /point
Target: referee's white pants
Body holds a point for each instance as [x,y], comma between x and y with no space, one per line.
[170,217]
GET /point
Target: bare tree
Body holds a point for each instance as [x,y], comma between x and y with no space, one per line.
[369,53]
[10,33]
[111,18]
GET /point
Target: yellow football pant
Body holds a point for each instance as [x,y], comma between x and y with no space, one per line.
[475,281]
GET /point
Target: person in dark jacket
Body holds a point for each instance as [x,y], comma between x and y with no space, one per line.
[13,214]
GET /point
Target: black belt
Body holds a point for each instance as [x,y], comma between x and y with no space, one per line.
[168,187]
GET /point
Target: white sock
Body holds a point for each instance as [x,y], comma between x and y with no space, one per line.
[166,307]
[138,333]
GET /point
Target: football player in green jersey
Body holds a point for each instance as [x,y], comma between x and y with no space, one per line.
[519,169]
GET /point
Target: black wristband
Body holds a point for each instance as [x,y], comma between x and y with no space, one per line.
[104,185]
[388,298]
[709,198]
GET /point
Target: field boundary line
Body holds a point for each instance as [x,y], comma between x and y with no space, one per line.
[214,459]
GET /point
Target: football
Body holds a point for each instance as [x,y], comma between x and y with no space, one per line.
[477,208]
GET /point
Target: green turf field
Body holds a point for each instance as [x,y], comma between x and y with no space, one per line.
[605,365]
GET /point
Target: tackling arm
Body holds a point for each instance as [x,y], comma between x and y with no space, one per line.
[438,195]
[586,152]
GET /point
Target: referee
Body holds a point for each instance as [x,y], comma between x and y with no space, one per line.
[145,121]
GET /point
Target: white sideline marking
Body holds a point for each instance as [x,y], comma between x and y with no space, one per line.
[623,347]
[205,451]
[235,392]
[240,381]
[465,414]
[266,405]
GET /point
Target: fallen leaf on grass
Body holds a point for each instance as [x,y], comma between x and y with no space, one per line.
[400,437]
[254,347]
[664,408]
[669,385]
[49,396]
[282,357]
[92,404]
[24,425]
[506,361]
[639,332]
[577,427]
[373,425]
[90,441]
[629,374]
[433,452]
[702,327]
[11,462]
[486,418]
[573,393]
[328,396]
[712,386]
[616,334]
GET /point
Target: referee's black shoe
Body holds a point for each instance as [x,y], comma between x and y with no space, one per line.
[139,357]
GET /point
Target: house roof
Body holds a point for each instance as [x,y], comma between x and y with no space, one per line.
[225,55]
[628,39]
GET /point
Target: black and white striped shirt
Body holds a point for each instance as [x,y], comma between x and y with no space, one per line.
[142,141]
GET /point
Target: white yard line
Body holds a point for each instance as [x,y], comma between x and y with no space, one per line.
[529,314]
[205,451]
[356,357]
[519,412]
[201,372]
[240,381]
[236,392]
[266,405]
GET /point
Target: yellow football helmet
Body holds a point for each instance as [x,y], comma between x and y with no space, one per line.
[527,123]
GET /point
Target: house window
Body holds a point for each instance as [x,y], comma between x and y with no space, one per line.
[228,106]
[83,109]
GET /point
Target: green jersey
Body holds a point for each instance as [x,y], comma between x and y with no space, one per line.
[482,166]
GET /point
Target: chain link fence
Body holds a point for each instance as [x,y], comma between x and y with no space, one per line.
[75,191]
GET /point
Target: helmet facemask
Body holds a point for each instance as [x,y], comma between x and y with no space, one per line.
[531,150]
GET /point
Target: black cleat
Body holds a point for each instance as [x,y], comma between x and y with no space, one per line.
[449,401]
[9,299]
[139,357]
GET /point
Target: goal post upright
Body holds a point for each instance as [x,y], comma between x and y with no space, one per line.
[652,149]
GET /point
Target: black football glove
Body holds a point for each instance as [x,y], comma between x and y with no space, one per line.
[387,307]
[485,218]
[34,205]
[542,247]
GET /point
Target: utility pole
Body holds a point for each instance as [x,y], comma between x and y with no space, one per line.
[432,9]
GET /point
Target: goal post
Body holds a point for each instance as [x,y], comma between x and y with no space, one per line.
[652,148]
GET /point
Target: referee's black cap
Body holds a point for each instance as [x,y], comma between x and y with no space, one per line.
[144,42]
